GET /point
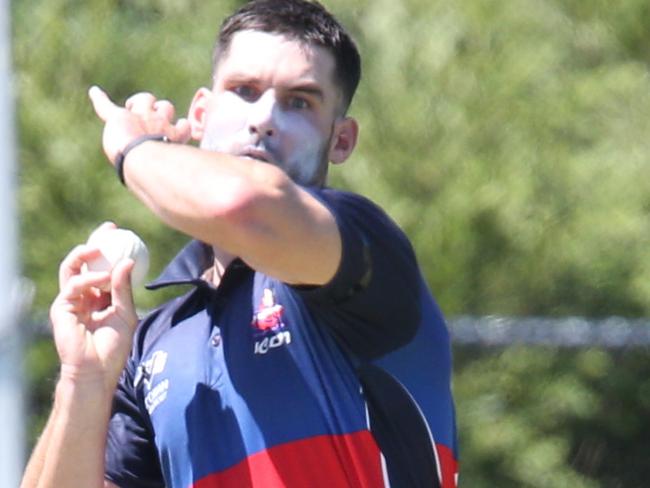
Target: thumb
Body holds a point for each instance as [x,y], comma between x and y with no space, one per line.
[182,131]
[122,292]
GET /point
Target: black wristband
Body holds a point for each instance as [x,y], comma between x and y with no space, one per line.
[119,159]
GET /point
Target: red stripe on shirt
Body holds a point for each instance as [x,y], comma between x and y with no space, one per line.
[448,466]
[341,461]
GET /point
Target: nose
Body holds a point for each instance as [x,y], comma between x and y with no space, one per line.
[260,120]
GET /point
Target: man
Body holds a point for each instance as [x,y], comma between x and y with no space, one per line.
[309,352]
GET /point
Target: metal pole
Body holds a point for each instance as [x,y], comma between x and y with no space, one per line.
[12,443]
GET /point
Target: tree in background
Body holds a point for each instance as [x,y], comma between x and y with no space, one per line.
[509,140]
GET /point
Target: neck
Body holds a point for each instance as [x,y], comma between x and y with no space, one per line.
[222,259]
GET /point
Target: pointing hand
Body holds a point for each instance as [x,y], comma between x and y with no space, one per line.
[142,114]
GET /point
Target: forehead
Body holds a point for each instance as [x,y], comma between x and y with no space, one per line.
[266,55]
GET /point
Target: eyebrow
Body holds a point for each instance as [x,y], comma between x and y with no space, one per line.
[308,89]
[238,78]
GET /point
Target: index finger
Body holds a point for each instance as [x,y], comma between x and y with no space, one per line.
[101,103]
[73,262]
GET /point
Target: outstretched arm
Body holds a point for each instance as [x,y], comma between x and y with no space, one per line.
[93,332]
[248,208]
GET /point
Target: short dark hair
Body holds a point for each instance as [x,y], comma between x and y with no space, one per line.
[306,21]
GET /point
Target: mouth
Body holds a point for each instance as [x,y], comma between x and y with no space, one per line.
[257,154]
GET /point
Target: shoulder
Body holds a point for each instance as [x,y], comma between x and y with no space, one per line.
[361,217]
[372,304]
[349,202]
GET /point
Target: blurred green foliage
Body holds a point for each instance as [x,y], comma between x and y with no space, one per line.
[509,140]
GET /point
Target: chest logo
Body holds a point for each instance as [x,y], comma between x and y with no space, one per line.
[269,329]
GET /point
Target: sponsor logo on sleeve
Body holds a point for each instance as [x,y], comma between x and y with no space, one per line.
[146,373]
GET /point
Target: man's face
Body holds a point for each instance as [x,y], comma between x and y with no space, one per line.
[274,99]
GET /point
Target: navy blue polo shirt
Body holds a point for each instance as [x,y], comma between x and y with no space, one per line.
[257,383]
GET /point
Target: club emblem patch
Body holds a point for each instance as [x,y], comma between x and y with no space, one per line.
[269,314]
[268,324]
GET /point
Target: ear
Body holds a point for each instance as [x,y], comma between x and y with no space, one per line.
[197,112]
[344,139]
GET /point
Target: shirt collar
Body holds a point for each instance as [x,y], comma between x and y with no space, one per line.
[187,267]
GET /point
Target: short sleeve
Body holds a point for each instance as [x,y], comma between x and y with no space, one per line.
[372,304]
[131,458]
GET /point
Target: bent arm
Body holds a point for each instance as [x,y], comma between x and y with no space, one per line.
[93,332]
[248,208]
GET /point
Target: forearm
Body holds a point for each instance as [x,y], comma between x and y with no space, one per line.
[71,450]
[37,459]
[247,208]
[207,195]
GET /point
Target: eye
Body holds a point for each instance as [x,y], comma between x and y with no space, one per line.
[298,103]
[246,92]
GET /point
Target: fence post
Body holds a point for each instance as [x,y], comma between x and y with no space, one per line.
[12,440]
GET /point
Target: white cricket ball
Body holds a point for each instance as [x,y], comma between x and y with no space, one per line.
[116,245]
